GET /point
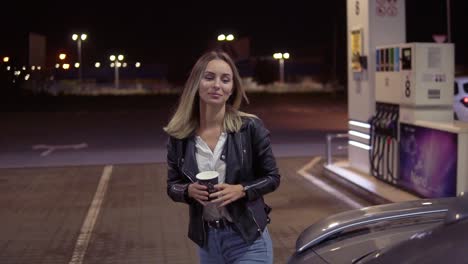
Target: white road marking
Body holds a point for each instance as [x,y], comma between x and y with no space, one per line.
[50,148]
[88,225]
[325,186]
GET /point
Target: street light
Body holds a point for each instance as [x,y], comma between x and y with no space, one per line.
[281,57]
[6,59]
[79,39]
[223,37]
[116,63]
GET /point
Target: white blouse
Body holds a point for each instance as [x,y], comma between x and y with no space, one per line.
[210,160]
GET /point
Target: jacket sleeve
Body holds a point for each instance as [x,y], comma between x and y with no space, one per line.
[177,184]
[264,163]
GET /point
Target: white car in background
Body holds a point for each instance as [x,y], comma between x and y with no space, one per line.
[460,98]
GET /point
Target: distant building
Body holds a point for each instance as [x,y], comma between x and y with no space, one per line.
[28,49]
[37,50]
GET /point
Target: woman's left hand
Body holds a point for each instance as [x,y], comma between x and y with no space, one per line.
[227,193]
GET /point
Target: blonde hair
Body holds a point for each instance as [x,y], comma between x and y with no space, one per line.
[186,118]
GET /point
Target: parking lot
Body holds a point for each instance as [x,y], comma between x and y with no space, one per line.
[121,214]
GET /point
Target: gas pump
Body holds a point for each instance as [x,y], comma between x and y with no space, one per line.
[421,147]
[384,142]
[401,127]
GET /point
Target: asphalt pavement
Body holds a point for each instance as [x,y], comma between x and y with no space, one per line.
[83,178]
[120,213]
[73,131]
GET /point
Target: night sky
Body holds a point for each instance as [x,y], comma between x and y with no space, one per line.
[159,30]
[176,32]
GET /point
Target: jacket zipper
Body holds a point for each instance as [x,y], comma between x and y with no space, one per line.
[186,175]
[253,185]
[203,220]
[253,217]
[242,152]
[204,231]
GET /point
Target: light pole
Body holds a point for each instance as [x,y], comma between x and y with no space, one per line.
[116,62]
[225,45]
[449,24]
[79,39]
[281,57]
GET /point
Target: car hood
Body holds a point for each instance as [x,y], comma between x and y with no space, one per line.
[446,243]
[306,258]
[333,225]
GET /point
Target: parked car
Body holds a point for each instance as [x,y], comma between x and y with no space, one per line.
[421,231]
[460,99]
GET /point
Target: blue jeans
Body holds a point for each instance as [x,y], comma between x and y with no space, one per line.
[227,246]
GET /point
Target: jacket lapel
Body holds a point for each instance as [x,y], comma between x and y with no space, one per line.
[230,155]
[189,166]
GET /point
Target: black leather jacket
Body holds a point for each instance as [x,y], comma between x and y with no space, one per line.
[249,161]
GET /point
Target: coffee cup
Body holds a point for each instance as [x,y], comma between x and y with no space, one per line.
[209,179]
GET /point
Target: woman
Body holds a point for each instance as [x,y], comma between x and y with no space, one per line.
[208,132]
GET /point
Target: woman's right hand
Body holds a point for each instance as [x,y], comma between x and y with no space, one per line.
[198,192]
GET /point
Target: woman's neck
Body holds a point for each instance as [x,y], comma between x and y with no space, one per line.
[211,116]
